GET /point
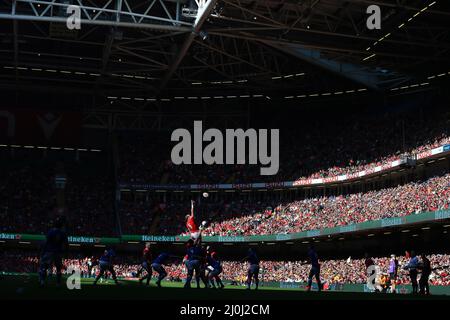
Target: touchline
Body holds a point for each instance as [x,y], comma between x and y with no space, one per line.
[239,145]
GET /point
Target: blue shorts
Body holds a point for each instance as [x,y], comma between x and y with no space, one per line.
[253,269]
[193,265]
[158,268]
[215,272]
[105,265]
[145,265]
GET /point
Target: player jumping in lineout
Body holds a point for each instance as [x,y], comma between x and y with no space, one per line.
[191,225]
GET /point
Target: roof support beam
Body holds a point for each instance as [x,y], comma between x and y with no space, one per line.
[143,19]
[202,14]
[371,78]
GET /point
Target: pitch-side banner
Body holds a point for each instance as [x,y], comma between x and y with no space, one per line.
[45,128]
[71,239]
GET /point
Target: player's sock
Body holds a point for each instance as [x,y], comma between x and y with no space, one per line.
[205,282]
[188,282]
[96,279]
[42,274]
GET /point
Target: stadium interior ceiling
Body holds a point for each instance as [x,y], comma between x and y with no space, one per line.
[152,56]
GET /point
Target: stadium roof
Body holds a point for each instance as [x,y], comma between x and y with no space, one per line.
[165,48]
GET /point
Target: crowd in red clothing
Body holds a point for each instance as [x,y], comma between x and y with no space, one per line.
[250,217]
[347,146]
[326,212]
[337,271]
[354,167]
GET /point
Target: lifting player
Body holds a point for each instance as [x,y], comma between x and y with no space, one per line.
[146,264]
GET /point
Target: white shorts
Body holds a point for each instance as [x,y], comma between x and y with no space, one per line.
[195,235]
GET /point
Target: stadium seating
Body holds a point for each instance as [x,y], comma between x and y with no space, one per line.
[346,146]
[275,217]
[29,198]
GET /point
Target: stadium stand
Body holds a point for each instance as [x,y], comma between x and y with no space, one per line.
[250,217]
[30,198]
[307,153]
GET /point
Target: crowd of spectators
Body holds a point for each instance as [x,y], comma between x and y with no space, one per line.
[255,217]
[89,196]
[28,201]
[347,146]
[326,212]
[337,271]
[30,198]
[27,192]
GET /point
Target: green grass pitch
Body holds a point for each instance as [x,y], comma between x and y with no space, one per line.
[27,287]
